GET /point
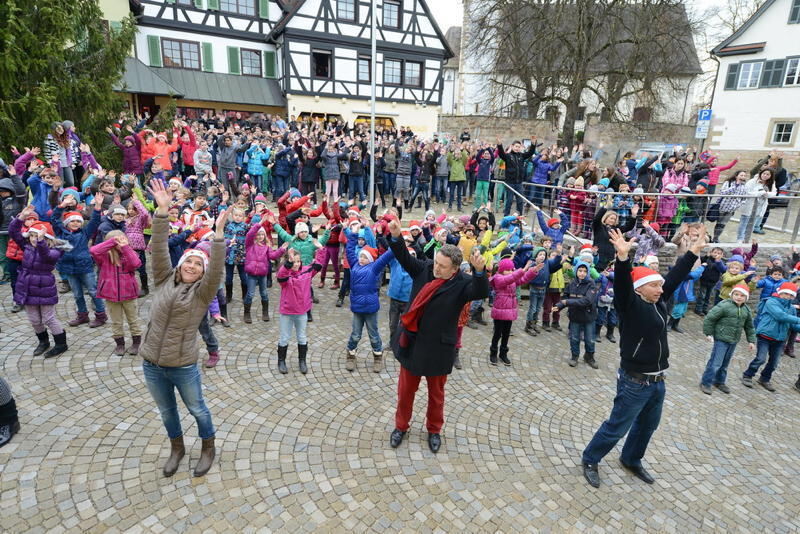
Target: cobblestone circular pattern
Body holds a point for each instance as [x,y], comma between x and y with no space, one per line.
[310,453]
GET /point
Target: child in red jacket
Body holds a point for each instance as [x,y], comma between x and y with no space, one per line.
[117,263]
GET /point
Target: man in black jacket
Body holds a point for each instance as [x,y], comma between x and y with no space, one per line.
[515,171]
[640,296]
[439,292]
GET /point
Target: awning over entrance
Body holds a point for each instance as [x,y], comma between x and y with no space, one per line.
[198,85]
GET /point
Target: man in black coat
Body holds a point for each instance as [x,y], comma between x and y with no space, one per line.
[439,292]
[640,297]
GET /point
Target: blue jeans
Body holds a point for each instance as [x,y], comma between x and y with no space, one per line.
[742,231]
[606,317]
[717,367]
[299,322]
[703,297]
[86,281]
[162,382]
[637,407]
[371,320]
[456,189]
[439,184]
[575,331]
[356,186]
[510,196]
[388,182]
[536,301]
[252,282]
[765,347]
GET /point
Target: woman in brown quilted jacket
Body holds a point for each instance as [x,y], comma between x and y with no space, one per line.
[170,350]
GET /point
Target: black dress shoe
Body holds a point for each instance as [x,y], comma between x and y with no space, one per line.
[591,475]
[434,442]
[639,472]
[396,438]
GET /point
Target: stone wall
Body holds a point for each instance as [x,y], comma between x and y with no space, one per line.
[610,136]
[488,128]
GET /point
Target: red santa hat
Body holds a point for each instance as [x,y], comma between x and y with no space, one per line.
[644,275]
[414,225]
[368,252]
[197,253]
[789,288]
[40,228]
[741,288]
[70,216]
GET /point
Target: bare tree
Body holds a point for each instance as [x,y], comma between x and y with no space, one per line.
[552,51]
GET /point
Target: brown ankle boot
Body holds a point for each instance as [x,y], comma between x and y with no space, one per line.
[206,458]
[177,451]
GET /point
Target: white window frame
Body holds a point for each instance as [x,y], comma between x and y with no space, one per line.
[790,133]
[792,80]
[753,79]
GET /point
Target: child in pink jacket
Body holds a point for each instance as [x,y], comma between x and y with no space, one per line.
[258,258]
[117,263]
[504,310]
[295,281]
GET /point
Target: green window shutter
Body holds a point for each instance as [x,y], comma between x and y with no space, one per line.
[198,4]
[733,75]
[213,5]
[269,64]
[154,49]
[233,60]
[208,60]
[263,9]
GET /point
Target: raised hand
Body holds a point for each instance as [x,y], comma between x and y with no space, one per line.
[621,245]
[160,194]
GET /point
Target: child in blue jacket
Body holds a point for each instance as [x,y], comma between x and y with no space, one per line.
[777,320]
[365,273]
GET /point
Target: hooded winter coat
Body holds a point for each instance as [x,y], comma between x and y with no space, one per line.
[505,293]
[131,155]
[36,285]
[116,283]
[258,258]
[78,260]
[296,286]
[177,308]
[364,279]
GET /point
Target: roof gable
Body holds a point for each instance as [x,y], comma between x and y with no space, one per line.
[744,27]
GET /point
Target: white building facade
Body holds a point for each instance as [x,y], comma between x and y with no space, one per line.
[325,68]
[756,104]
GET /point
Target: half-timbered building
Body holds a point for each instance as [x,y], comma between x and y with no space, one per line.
[298,57]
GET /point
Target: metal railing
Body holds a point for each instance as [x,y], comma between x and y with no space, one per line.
[703,208]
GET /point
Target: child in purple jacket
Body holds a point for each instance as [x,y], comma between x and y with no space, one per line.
[504,310]
[295,281]
[36,285]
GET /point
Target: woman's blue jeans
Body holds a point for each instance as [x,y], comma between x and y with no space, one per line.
[162,383]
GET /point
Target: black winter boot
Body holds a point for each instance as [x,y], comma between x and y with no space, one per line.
[493,355]
[589,359]
[302,350]
[282,359]
[610,333]
[60,346]
[44,343]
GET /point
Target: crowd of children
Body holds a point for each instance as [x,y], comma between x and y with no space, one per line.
[93,237]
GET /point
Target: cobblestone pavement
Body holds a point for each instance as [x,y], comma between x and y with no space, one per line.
[310,453]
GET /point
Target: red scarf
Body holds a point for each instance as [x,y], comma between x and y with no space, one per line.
[411,318]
